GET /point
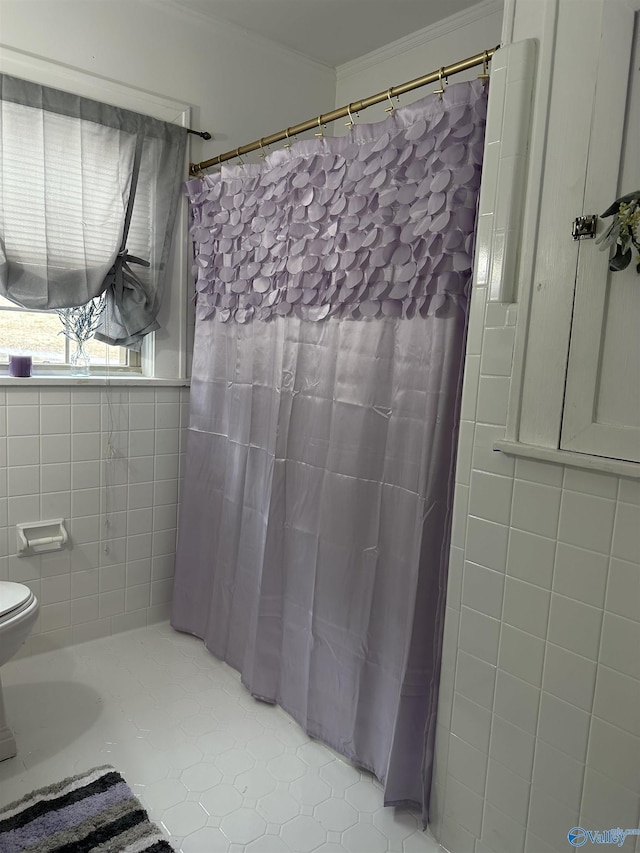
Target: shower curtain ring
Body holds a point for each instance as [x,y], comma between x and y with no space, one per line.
[390,108]
[485,70]
[239,156]
[440,92]
[351,121]
[320,133]
[287,144]
[262,153]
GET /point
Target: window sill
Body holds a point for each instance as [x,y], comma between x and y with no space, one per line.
[619,467]
[93,380]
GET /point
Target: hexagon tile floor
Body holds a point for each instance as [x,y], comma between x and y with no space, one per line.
[216,769]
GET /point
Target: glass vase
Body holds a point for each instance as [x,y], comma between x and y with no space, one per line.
[79,360]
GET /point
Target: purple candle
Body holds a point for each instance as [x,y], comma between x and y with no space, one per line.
[19,365]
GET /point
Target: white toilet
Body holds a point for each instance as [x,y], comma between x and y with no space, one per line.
[18,611]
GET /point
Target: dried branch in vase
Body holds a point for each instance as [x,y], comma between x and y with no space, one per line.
[80,323]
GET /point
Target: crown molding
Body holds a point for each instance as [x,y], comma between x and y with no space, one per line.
[179,8]
[87,84]
[421,37]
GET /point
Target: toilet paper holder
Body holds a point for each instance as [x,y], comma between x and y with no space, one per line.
[37,537]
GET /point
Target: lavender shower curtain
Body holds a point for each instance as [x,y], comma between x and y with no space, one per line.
[332,286]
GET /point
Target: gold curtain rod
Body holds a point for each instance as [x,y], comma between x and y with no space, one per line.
[439,75]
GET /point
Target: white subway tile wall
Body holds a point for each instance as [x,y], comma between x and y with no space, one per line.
[108,461]
[539,713]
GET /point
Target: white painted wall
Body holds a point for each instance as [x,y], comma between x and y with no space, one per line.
[240,87]
[457,37]
[52,440]
[539,722]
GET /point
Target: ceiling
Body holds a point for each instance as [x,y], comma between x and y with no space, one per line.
[331,31]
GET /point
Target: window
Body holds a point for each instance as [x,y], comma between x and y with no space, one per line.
[38,332]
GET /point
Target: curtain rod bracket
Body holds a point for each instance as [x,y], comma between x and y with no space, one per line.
[204,134]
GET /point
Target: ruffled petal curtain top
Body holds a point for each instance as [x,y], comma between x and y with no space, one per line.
[376,223]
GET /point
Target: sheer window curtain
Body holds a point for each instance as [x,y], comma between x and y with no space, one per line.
[332,286]
[88,198]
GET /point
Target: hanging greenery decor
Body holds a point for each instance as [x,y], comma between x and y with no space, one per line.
[624,232]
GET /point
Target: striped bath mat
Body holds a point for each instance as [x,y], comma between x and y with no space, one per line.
[94,811]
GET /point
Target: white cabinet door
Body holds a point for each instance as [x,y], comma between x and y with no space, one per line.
[601,413]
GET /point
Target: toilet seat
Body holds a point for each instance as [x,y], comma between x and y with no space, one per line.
[13,597]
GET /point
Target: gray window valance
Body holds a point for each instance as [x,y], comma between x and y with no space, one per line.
[88,199]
